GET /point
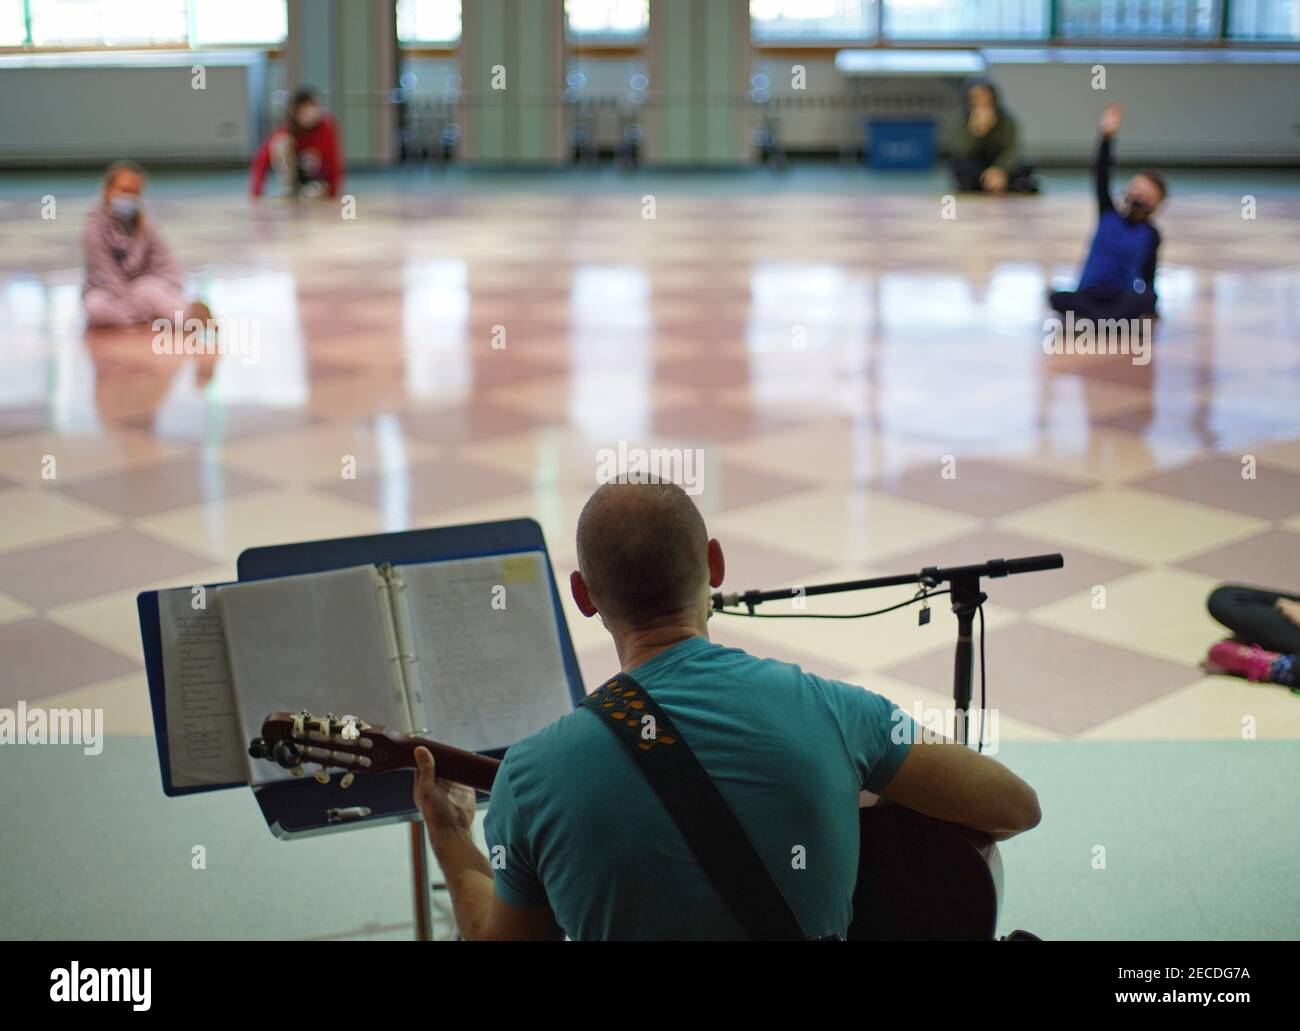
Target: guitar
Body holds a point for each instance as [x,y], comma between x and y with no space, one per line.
[922,879]
[918,878]
[350,744]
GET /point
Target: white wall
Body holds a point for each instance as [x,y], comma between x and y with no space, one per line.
[1230,107]
[1208,107]
[1219,109]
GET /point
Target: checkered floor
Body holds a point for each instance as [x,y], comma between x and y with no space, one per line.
[866,380]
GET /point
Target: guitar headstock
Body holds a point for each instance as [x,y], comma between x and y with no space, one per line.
[346,743]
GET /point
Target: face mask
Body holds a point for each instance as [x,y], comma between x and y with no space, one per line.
[124,206]
[1135,209]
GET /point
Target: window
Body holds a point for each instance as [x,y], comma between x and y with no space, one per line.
[974,21]
[1139,19]
[1264,19]
[428,21]
[92,24]
[239,22]
[966,19]
[80,23]
[607,21]
[816,21]
[13,23]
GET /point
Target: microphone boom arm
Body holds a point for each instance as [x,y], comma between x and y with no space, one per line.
[966,600]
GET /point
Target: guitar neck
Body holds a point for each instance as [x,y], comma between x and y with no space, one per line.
[454,764]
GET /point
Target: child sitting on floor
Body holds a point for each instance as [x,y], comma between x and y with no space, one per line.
[983,145]
[303,152]
[1118,278]
[1266,625]
[131,276]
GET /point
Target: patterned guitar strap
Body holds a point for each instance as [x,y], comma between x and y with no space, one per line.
[697,807]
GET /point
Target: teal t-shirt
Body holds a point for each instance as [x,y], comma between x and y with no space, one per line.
[573,824]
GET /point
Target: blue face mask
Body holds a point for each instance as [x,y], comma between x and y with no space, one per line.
[124,206]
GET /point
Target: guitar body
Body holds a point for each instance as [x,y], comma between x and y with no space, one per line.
[921,879]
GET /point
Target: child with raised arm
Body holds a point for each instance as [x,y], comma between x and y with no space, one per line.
[1118,277]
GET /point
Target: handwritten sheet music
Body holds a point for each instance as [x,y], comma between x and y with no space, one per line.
[314,642]
[202,728]
[488,646]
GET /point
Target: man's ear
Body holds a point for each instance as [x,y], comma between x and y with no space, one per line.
[717,564]
[579,588]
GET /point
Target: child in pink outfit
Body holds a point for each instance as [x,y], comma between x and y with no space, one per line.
[131,276]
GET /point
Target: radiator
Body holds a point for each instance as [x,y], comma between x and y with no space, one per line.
[86,109]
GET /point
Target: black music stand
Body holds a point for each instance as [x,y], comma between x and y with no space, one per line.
[302,807]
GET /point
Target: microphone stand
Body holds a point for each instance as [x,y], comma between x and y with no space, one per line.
[964,591]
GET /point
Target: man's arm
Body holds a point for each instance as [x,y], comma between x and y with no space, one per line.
[952,782]
[936,777]
[481,914]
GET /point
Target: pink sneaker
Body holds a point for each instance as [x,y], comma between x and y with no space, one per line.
[1243,660]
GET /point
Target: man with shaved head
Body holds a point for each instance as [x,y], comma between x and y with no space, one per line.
[580,843]
[644,556]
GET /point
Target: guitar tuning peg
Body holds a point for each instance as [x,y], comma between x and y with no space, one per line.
[297,771]
[322,776]
[348,778]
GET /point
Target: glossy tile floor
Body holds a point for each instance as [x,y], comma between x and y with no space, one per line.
[866,382]
[834,347]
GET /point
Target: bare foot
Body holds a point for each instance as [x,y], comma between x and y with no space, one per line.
[198,310]
[208,359]
[1289,608]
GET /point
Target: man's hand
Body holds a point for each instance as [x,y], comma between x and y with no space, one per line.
[1111,119]
[1289,609]
[994,179]
[444,805]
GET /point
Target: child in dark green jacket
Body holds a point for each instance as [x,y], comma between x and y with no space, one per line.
[983,145]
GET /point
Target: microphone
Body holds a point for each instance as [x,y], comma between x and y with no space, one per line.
[930,577]
[1035,563]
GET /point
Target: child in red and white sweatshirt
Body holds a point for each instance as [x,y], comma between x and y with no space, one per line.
[304,151]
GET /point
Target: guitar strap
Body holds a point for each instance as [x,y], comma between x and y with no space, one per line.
[697,807]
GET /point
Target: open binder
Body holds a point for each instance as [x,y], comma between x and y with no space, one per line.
[454,633]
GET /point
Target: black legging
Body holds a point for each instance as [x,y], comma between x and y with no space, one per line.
[1249,613]
[969,170]
[1097,302]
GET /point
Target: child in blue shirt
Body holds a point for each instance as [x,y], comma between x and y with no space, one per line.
[1118,278]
